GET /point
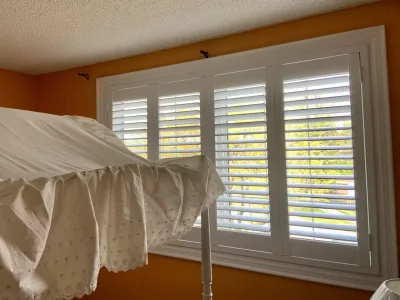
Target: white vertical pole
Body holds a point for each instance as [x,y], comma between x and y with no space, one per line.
[206,265]
[207,148]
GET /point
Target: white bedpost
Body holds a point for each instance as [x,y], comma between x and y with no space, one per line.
[206,265]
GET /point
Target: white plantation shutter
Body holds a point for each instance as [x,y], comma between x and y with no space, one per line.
[179,125]
[298,134]
[318,202]
[316,213]
[241,158]
[320,157]
[320,154]
[129,118]
[179,119]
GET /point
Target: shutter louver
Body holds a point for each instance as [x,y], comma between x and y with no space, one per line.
[179,123]
[319,157]
[241,152]
[129,122]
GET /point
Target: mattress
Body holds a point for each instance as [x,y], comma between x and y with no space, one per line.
[74,199]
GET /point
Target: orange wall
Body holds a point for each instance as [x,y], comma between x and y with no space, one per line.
[174,279]
[66,93]
[18,90]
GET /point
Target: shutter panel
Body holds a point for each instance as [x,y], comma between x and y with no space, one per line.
[179,128]
[129,118]
[179,119]
[242,159]
[320,158]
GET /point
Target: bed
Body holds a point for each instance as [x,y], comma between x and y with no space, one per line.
[74,199]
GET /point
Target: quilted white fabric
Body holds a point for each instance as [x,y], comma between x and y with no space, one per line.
[73,198]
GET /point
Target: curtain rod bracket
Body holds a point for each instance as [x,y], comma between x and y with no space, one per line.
[204,53]
[84,75]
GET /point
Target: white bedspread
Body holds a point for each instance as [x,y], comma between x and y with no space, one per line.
[73,198]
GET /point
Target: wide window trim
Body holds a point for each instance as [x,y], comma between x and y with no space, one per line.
[370,44]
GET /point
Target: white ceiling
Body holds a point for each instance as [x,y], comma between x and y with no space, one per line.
[39,36]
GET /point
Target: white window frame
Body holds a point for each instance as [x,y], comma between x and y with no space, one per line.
[370,43]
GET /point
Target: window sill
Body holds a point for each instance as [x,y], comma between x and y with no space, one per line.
[277,268]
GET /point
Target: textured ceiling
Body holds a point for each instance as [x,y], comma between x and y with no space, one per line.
[39,36]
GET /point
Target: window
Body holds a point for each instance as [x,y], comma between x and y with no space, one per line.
[296,136]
